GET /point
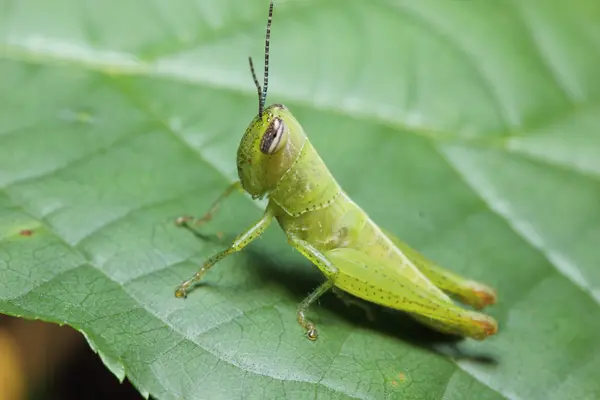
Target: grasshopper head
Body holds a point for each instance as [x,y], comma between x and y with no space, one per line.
[272,141]
[271,144]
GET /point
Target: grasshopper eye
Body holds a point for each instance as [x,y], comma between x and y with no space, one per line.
[272,139]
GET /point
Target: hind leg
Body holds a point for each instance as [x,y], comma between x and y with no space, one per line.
[468,291]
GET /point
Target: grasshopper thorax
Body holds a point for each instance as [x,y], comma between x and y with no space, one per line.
[269,147]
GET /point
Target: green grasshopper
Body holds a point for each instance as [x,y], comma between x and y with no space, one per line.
[276,159]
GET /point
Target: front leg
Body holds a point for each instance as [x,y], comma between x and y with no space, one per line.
[187,220]
[330,271]
[238,244]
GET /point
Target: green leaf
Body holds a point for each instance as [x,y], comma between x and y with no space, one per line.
[471,129]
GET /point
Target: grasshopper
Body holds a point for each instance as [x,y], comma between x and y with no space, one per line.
[275,159]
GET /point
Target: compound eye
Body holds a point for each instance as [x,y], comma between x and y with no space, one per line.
[272,139]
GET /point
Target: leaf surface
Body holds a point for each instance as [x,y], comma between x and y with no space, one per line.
[469,129]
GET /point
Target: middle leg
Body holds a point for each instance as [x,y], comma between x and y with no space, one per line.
[330,271]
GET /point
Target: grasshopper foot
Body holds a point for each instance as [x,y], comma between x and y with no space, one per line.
[181,293]
[188,221]
[311,332]
[309,327]
[183,221]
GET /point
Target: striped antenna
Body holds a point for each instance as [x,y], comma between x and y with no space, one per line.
[267,40]
[258,88]
[262,92]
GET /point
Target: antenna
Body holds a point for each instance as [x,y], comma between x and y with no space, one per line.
[262,92]
[258,88]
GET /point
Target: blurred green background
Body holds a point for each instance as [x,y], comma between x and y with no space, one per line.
[471,129]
